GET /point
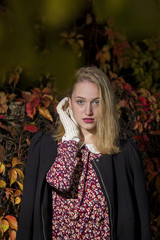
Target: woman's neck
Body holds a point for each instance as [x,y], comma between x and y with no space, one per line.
[87,137]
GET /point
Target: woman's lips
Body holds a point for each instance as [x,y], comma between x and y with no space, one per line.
[88,120]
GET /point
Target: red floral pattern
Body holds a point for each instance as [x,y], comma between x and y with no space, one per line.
[79,206]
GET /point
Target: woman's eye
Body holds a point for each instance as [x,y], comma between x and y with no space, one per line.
[96,102]
[80,102]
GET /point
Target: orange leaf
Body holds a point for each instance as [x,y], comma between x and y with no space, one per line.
[12,234]
[17,193]
[2,184]
[45,113]
[12,176]
[4,225]
[16,161]
[12,222]
[46,91]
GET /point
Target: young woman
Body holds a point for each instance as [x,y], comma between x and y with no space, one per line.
[84,183]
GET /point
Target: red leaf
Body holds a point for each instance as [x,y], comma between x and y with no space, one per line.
[30,109]
[36,92]
[31,128]
[128,87]
[2,117]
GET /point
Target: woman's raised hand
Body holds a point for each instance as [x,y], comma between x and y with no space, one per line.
[69,123]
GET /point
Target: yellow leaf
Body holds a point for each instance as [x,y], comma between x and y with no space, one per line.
[45,113]
[12,176]
[17,200]
[2,168]
[20,173]
[16,161]
[12,234]
[4,225]
[12,222]
[2,184]
[20,185]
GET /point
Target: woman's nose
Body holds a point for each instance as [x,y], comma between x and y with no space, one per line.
[88,109]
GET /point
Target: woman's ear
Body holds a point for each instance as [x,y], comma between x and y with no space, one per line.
[70,103]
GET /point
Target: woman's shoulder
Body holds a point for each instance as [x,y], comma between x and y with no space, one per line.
[128,144]
[130,153]
[43,139]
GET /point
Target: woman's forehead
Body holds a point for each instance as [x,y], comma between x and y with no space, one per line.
[86,89]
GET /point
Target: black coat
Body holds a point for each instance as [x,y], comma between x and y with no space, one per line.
[122,181]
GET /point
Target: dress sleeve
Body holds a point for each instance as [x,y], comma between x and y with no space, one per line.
[61,172]
[25,220]
[140,190]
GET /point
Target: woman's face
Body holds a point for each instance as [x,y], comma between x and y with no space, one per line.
[84,103]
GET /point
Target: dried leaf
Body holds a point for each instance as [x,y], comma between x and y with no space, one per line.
[16,161]
[45,113]
[2,184]
[4,224]
[12,176]
[12,222]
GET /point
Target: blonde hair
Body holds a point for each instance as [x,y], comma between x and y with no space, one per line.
[107,135]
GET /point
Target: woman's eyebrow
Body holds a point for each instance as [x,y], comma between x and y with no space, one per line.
[85,98]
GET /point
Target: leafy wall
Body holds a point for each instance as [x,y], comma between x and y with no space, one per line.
[21,117]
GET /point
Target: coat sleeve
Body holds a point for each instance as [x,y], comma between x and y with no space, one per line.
[140,190]
[25,220]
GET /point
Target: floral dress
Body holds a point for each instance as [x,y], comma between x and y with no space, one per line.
[79,206]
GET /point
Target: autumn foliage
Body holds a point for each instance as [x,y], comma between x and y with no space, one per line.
[21,117]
